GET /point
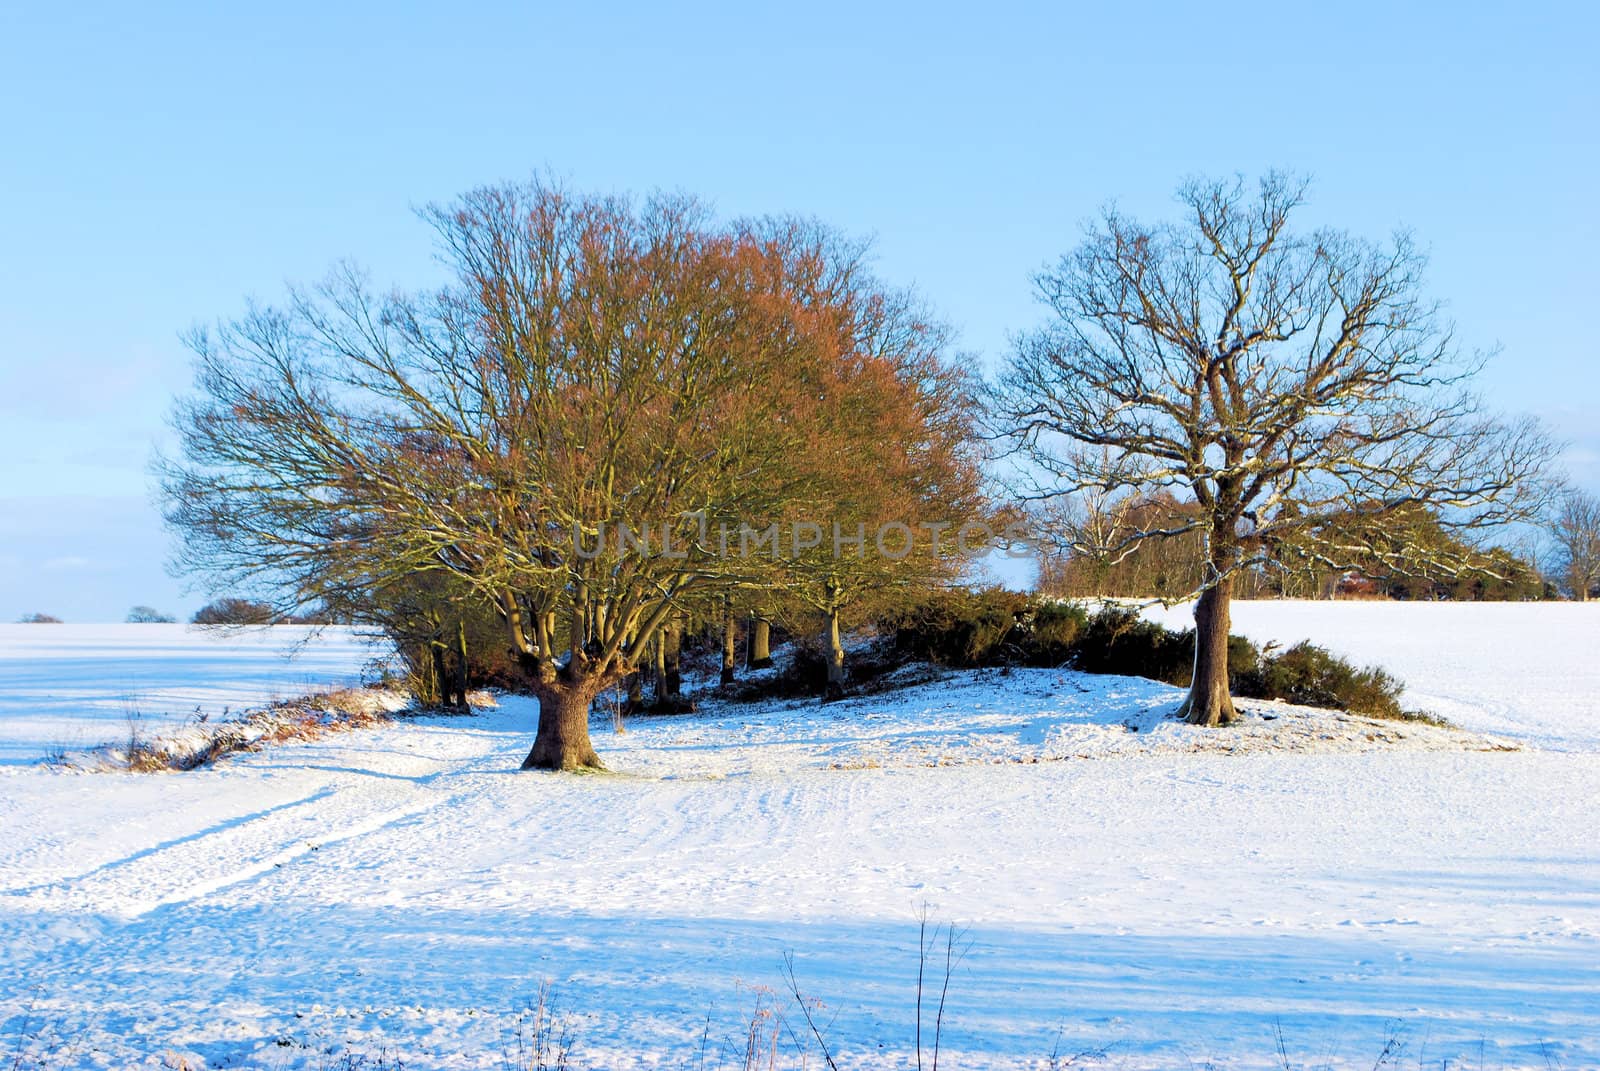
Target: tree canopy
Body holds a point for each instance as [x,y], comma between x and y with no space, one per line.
[585,430]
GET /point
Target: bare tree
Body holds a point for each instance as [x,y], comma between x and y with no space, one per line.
[566,430]
[1297,386]
[554,430]
[1575,529]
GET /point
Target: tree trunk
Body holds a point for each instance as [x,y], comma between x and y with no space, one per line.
[425,678]
[445,689]
[461,668]
[760,643]
[730,646]
[835,658]
[1209,701]
[660,675]
[563,739]
[672,679]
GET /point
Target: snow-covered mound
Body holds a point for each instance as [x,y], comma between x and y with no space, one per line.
[1020,716]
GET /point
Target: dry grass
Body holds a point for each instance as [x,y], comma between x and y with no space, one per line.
[540,1038]
[204,742]
[1421,717]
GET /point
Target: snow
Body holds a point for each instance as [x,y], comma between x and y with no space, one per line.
[1147,893]
[70,687]
[1529,671]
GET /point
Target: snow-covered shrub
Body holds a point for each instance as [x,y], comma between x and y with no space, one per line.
[994,627]
[203,742]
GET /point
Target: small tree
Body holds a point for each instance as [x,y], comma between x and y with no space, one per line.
[447,638]
[148,615]
[38,619]
[888,477]
[1575,529]
[1279,379]
[1148,568]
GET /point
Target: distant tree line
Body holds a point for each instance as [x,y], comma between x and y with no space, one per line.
[232,610]
[1408,569]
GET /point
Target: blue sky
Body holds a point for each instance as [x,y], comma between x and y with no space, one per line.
[160,163]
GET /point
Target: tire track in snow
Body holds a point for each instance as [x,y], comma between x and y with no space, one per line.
[362,784]
[200,864]
[175,842]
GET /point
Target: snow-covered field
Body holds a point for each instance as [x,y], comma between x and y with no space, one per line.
[1527,670]
[66,687]
[1172,905]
